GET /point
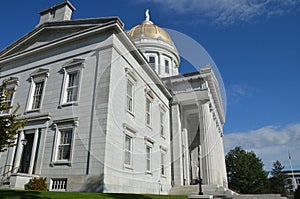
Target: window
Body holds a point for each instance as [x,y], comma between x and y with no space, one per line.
[38,82]
[128,151]
[162,123]
[129,134]
[129,96]
[148,111]
[152,62]
[163,152]
[11,86]
[65,131]
[167,66]
[8,100]
[148,106]
[163,164]
[149,142]
[59,184]
[71,83]
[148,158]
[130,88]
[64,147]
[72,88]
[37,95]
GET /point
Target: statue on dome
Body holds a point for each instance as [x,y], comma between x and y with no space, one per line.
[147,16]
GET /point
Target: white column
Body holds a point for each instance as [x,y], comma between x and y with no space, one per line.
[18,152]
[186,155]
[203,128]
[33,151]
[176,143]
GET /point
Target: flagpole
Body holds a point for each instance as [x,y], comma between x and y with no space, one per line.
[294,180]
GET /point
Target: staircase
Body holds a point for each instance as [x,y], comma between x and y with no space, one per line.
[209,190]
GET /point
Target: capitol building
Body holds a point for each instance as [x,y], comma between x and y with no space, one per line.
[107,110]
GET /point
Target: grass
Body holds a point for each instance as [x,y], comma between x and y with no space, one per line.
[17,194]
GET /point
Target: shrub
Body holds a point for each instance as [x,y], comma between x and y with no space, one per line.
[36,184]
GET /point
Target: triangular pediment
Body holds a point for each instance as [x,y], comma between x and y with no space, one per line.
[51,32]
[40,38]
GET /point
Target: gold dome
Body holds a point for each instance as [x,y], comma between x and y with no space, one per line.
[149,30]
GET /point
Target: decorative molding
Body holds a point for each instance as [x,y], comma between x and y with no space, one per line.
[40,72]
[75,62]
[127,128]
[67,120]
[149,140]
[38,117]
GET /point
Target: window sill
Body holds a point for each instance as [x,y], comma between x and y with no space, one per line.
[68,104]
[130,113]
[163,176]
[32,111]
[148,173]
[61,162]
[128,167]
[163,137]
[149,126]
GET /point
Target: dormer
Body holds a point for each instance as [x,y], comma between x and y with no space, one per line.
[59,12]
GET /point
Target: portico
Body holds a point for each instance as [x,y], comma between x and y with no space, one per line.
[197,131]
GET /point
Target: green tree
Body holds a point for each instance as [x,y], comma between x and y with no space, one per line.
[245,172]
[297,193]
[9,124]
[278,180]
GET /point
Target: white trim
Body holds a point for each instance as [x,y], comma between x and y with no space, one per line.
[149,170]
[73,66]
[11,85]
[155,55]
[38,76]
[64,124]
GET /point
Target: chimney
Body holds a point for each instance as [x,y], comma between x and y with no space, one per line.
[59,12]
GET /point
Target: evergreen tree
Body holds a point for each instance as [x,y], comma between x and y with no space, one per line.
[278,181]
[9,124]
[245,172]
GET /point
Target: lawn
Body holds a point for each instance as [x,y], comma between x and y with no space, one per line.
[14,194]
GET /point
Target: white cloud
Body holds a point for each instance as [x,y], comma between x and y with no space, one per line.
[270,143]
[228,12]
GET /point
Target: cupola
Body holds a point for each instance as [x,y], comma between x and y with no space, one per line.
[157,46]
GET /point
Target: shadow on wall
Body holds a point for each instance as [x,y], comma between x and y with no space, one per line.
[94,184]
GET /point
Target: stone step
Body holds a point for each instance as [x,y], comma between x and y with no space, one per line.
[193,190]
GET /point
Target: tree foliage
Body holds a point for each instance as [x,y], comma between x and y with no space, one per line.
[278,180]
[9,124]
[245,172]
[297,193]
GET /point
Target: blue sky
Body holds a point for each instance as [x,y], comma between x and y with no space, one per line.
[255,45]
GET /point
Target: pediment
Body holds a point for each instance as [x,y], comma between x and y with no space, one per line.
[40,37]
[51,32]
[40,71]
